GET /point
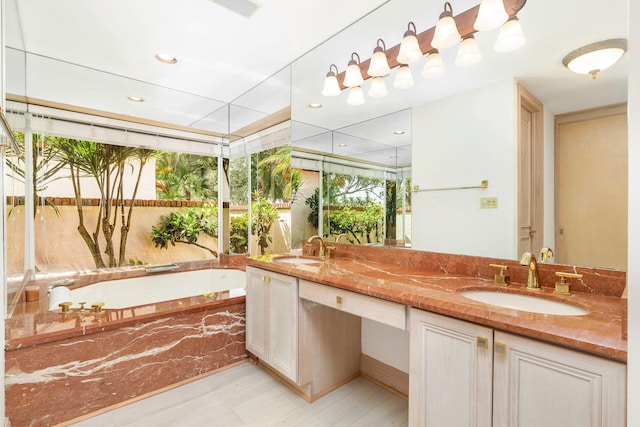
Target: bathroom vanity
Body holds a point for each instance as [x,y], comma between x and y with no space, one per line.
[471,363]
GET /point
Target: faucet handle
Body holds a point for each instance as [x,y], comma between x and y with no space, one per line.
[97,307]
[501,278]
[562,287]
[64,306]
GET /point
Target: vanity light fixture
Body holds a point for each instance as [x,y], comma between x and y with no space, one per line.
[356,97]
[468,52]
[166,58]
[404,78]
[433,66]
[135,99]
[510,36]
[331,86]
[446,34]
[378,88]
[595,57]
[491,15]
[448,31]
[353,76]
[379,66]
[409,48]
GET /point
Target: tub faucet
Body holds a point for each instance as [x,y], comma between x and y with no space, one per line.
[529,260]
[545,254]
[340,236]
[322,244]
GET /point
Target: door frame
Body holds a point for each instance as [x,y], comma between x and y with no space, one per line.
[526,100]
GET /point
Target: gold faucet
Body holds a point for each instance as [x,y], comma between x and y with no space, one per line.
[545,254]
[529,260]
[341,236]
[322,244]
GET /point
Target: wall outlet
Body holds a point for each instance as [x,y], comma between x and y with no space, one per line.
[488,202]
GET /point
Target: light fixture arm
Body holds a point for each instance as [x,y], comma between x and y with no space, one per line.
[464,22]
[379,48]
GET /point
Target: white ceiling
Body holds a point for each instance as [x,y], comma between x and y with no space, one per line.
[233,70]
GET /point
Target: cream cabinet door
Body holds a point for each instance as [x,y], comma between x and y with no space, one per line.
[272,320]
[450,378]
[540,384]
[283,319]
[256,303]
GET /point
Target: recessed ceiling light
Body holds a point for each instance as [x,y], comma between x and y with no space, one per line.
[315,105]
[135,99]
[166,58]
[342,145]
[399,132]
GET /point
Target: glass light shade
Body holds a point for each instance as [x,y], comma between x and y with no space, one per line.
[510,36]
[353,76]
[378,88]
[378,66]
[356,97]
[446,34]
[433,66]
[409,49]
[331,86]
[468,53]
[595,57]
[490,15]
[404,79]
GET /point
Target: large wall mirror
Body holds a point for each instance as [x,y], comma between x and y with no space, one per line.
[414,137]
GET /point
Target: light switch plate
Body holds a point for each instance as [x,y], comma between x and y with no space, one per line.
[488,202]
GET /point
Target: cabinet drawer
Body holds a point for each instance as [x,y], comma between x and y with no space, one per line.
[387,312]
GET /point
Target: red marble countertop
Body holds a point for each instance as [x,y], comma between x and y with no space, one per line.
[599,332]
[31,323]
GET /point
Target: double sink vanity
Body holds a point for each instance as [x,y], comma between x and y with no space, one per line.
[480,354]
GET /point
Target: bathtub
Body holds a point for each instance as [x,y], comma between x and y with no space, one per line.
[152,288]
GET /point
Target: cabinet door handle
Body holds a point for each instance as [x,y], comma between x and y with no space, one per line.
[482,342]
[266,279]
[499,348]
[338,299]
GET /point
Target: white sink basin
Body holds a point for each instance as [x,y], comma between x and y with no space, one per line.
[525,303]
[296,260]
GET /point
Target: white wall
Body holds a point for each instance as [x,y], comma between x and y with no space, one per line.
[458,142]
[633,272]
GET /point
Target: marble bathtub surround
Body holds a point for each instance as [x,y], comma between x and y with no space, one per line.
[432,282]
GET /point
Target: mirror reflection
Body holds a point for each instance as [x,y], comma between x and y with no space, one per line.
[453,132]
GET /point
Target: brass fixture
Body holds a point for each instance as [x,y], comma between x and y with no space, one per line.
[340,236]
[501,278]
[97,307]
[322,244]
[529,260]
[328,249]
[545,254]
[64,306]
[562,287]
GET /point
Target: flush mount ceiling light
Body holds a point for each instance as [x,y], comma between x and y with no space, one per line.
[398,132]
[315,105]
[166,58]
[135,99]
[595,57]
[448,31]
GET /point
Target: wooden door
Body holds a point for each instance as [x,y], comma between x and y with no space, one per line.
[591,187]
[530,173]
[450,372]
[539,384]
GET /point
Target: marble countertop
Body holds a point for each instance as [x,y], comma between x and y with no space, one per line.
[599,332]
